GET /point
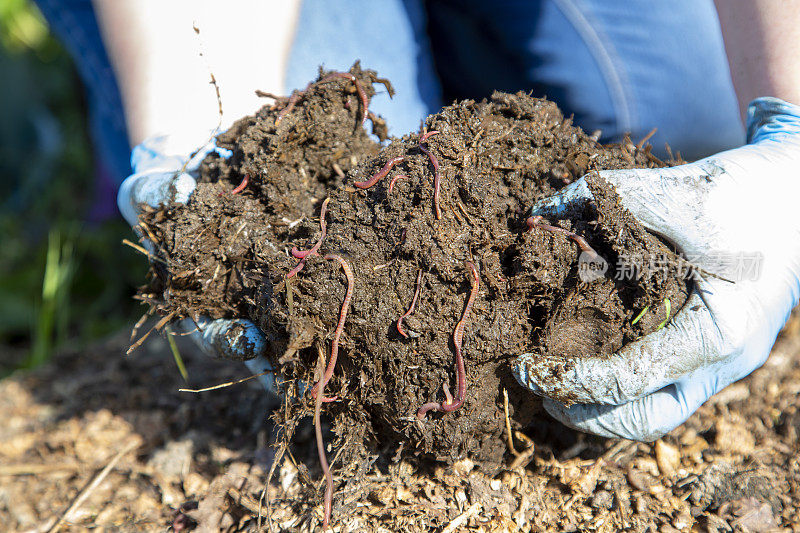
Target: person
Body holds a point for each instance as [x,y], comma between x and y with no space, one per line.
[682,66]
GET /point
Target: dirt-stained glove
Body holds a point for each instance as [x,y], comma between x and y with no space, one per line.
[736,210]
[160,177]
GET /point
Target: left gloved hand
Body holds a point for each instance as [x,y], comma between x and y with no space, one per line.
[161,177]
[737,204]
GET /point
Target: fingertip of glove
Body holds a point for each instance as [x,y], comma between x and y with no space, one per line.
[564,200]
[184,185]
[771,118]
[237,339]
[523,371]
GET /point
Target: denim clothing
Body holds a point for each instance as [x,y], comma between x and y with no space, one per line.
[616,65]
[75,25]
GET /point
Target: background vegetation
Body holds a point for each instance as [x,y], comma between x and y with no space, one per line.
[65,277]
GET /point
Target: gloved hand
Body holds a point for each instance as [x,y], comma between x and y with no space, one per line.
[740,205]
[160,177]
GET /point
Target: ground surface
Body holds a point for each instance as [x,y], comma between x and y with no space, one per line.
[734,464]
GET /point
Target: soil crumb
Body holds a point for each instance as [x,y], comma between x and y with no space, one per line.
[452,198]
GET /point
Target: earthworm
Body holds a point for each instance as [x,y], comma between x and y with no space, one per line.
[302,255]
[425,135]
[380,174]
[348,272]
[242,185]
[436,178]
[293,99]
[323,461]
[410,309]
[394,180]
[450,403]
[536,222]
[359,89]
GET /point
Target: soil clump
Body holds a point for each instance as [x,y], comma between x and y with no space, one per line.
[228,255]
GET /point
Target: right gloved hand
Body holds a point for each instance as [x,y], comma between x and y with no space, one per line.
[734,214]
[159,177]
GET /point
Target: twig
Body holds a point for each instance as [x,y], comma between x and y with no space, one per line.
[461,519]
[228,384]
[511,447]
[646,138]
[84,494]
[36,469]
[143,251]
[525,456]
[140,322]
[244,500]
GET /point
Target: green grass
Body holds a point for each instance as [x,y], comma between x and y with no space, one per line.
[63,281]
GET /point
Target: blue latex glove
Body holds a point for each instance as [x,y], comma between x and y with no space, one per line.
[739,201]
[160,177]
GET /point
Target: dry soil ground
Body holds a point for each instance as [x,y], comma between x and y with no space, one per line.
[111,439]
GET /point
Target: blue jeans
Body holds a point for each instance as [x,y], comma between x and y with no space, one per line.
[616,65]
[74,23]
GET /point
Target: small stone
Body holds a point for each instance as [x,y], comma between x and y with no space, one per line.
[463,467]
[495,484]
[733,437]
[383,495]
[174,460]
[732,393]
[588,482]
[752,515]
[602,499]
[668,458]
[683,520]
[287,475]
[194,484]
[640,480]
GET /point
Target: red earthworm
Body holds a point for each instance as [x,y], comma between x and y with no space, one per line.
[323,460]
[293,99]
[303,255]
[359,89]
[299,254]
[536,222]
[410,309]
[425,135]
[394,180]
[451,404]
[436,178]
[242,185]
[348,272]
[380,174]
